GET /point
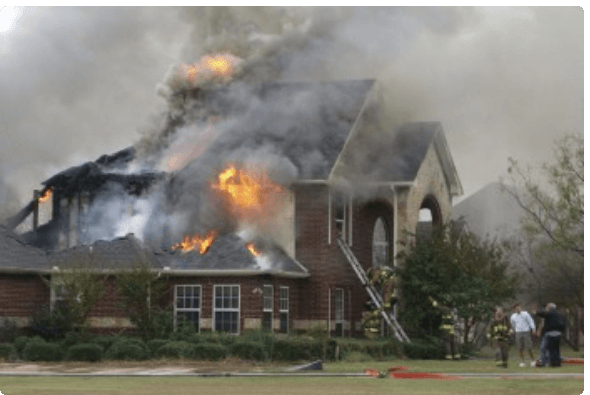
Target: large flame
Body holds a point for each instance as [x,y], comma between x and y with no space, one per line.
[217,65]
[249,190]
[252,249]
[196,242]
[45,197]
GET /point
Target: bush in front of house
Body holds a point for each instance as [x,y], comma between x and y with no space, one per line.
[21,341]
[89,352]
[219,338]
[75,337]
[209,351]
[179,349]
[8,330]
[104,341]
[7,351]
[51,324]
[155,344]
[128,349]
[42,351]
[423,348]
[298,348]
[248,350]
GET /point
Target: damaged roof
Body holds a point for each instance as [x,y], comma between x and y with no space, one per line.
[228,254]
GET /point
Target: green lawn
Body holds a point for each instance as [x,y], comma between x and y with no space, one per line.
[281,385]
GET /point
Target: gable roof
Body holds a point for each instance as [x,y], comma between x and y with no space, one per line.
[16,255]
[396,156]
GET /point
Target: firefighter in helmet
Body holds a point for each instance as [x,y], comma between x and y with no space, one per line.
[449,331]
[384,281]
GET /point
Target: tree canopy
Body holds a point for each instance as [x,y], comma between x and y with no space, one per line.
[463,271]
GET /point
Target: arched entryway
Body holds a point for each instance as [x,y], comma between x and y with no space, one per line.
[429,217]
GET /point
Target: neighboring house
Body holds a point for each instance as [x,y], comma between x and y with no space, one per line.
[367,190]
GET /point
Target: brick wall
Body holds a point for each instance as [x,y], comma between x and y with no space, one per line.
[22,295]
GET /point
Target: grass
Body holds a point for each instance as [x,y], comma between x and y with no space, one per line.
[280,385]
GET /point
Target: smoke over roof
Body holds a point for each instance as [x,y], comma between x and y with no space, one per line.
[79,82]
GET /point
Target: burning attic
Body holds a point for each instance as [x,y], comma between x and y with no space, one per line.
[287,187]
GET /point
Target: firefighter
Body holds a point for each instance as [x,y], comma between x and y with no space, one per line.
[448,330]
[498,335]
[383,280]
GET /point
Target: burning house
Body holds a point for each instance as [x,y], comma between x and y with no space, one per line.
[262,202]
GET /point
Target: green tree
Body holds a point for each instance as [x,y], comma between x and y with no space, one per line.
[551,251]
[141,288]
[556,212]
[469,274]
[80,284]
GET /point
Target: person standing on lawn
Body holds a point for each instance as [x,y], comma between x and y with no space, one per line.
[553,327]
[498,334]
[523,325]
[449,333]
[543,352]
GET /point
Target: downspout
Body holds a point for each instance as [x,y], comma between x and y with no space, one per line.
[329,216]
[329,310]
[349,314]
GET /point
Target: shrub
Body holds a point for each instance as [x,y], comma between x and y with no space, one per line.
[75,337]
[248,350]
[42,351]
[51,323]
[8,330]
[127,349]
[423,348]
[180,349]
[377,349]
[20,343]
[89,352]
[7,351]
[104,341]
[210,351]
[264,338]
[219,338]
[155,344]
[296,348]
[163,323]
[184,330]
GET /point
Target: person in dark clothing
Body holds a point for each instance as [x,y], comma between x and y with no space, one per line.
[498,335]
[553,328]
[448,330]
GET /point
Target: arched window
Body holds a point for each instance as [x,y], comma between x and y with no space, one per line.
[380,244]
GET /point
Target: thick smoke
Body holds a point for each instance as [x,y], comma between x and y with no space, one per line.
[503,82]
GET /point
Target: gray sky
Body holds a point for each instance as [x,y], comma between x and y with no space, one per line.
[76,83]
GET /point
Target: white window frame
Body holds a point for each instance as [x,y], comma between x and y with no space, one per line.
[283,310]
[342,221]
[270,309]
[228,309]
[188,309]
[337,308]
[381,244]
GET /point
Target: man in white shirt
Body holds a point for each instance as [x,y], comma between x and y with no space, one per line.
[523,324]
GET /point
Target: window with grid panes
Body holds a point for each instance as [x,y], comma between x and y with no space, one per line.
[226,308]
[187,304]
[284,309]
[267,295]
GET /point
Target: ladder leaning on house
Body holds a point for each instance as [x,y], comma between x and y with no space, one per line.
[389,317]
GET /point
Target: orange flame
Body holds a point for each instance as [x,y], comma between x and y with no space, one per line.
[220,65]
[45,197]
[191,243]
[248,189]
[252,249]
